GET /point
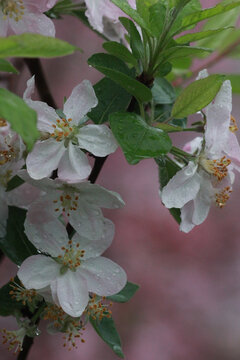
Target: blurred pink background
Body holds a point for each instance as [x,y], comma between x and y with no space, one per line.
[188,306]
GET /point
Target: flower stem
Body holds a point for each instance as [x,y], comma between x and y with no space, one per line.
[26,346]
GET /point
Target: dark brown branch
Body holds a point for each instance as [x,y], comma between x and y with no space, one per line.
[35,68]
[27,344]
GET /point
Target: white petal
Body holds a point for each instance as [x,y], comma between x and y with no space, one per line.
[37,272]
[88,221]
[202,201]
[186,217]
[194,146]
[44,184]
[80,102]
[42,228]
[97,139]
[72,293]
[33,23]
[99,196]
[74,166]
[23,196]
[224,97]
[96,248]
[182,188]
[30,88]
[104,277]
[42,6]
[46,115]
[202,74]
[44,158]
[232,149]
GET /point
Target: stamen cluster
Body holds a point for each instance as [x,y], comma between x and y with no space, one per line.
[14,9]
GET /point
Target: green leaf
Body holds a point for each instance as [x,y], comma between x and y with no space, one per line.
[177,52]
[120,51]
[168,128]
[200,35]
[125,294]
[127,9]
[135,38]
[198,16]
[190,7]
[111,98]
[197,95]
[118,71]
[157,16]
[137,139]
[15,244]
[6,66]
[163,92]
[14,183]
[34,46]
[235,81]
[8,305]
[22,118]
[107,331]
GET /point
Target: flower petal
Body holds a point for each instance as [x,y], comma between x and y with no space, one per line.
[232,149]
[96,248]
[182,188]
[44,230]
[37,272]
[46,115]
[72,293]
[186,217]
[42,6]
[33,23]
[3,25]
[29,89]
[202,201]
[80,102]
[103,276]
[99,196]
[74,165]
[97,139]
[44,158]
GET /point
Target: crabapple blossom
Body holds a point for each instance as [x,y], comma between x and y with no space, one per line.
[80,203]
[65,137]
[103,16]
[26,16]
[74,267]
[210,177]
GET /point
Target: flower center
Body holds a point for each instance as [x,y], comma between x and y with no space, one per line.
[71,259]
[3,122]
[14,9]
[233,124]
[222,196]
[7,155]
[62,129]
[217,167]
[67,203]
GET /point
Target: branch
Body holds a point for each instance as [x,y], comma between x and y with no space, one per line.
[27,344]
[35,68]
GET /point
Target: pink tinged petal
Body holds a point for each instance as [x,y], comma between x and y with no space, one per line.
[74,166]
[203,201]
[72,293]
[33,23]
[80,102]
[30,88]
[186,217]
[182,188]
[194,146]
[45,184]
[46,115]
[103,276]
[46,294]
[224,97]
[53,288]
[232,150]
[44,158]
[88,221]
[97,139]
[42,228]
[99,196]
[37,272]
[41,5]
[3,25]
[96,248]
[23,196]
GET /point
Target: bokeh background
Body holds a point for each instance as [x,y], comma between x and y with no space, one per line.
[188,306]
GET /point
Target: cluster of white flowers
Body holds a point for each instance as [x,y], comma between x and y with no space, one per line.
[66,269]
[209,178]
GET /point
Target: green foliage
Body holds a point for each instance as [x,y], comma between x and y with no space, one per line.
[125,294]
[235,81]
[34,46]
[177,52]
[111,98]
[200,35]
[197,95]
[163,92]
[118,71]
[135,38]
[21,117]
[8,305]
[120,51]
[15,244]
[106,329]
[198,16]
[6,66]
[137,139]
